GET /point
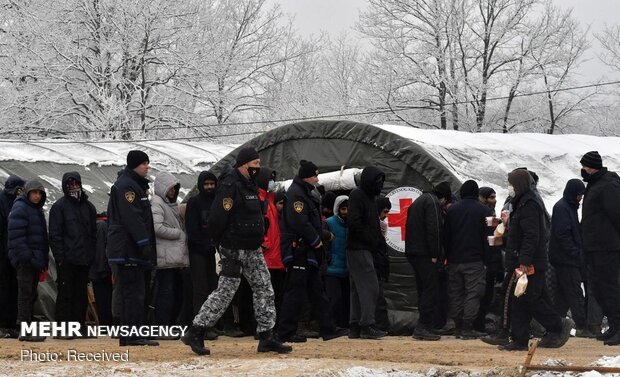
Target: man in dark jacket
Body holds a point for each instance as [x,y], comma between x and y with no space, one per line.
[302,252]
[527,238]
[131,241]
[100,273]
[466,241]
[201,251]
[566,255]
[600,224]
[13,187]
[73,236]
[28,249]
[236,225]
[364,240]
[424,250]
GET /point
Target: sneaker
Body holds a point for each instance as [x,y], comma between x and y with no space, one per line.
[512,346]
[354,331]
[194,338]
[500,339]
[470,333]
[31,338]
[607,334]
[371,332]
[269,343]
[448,329]
[422,333]
[339,332]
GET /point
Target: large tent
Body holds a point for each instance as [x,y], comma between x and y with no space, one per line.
[414,160]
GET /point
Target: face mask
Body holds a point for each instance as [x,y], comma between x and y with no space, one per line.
[271,186]
[253,172]
[584,174]
[511,191]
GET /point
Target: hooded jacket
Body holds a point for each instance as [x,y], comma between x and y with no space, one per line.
[363,217]
[196,216]
[169,232]
[338,248]
[27,231]
[7,198]
[600,215]
[424,228]
[271,243]
[565,246]
[73,226]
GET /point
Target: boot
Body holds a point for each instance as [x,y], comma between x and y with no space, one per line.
[500,339]
[194,338]
[234,331]
[371,332]
[468,333]
[422,333]
[268,343]
[354,330]
[448,329]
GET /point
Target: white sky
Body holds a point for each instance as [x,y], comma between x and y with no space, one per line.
[335,16]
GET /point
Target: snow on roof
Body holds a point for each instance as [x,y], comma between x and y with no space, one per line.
[487,158]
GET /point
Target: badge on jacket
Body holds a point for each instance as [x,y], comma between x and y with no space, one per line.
[227,203]
[298,206]
[130,196]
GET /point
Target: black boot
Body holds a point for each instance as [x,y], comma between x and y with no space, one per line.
[500,339]
[194,338]
[268,343]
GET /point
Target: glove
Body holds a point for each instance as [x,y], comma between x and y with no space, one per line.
[146,251]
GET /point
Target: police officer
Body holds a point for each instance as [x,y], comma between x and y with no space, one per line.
[302,250]
[131,240]
[236,225]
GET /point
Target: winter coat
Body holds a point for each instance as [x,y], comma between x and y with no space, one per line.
[131,235]
[338,248]
[236,218]
[565,245]
[73,227]
[100,269]
[301,223]
[363,217]
[7,198]
[27,232]
[196,216]
[600,215]
[424,227]
[271,243]
[465,231]
[528,233]
[170,235]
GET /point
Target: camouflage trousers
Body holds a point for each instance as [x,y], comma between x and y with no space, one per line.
[255,270]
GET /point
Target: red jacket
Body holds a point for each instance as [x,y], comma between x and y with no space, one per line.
[271,244]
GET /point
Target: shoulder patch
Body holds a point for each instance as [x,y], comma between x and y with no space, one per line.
[298,206]
[130,196]
[227,203]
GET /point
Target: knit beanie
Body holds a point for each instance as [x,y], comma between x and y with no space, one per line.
[469,189]
[135,158]
[485,192]
[307,169]
[246,155]
[592,160]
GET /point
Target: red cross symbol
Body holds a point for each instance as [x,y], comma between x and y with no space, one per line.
[399,219]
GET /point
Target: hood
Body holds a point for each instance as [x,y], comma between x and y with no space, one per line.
[368,178]
[70,175]
[12,183]
[204,176]
[35,185]
[521,180]
[338,201]
[263,177]
[163,182]
[573,189]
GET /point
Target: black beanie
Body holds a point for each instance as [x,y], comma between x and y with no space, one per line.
[443,190]
[592,160]
[135,158]
[469,189]
[246,155]
[307,169]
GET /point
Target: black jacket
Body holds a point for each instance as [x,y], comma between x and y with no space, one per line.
[236,218]
[27,232]
[196,218]
[565,245]
[363,217]
[600,216]
[7,198]
[100,268]
[424,228]
[73,227]
[527,233]
[131,235]
[301,223]
[465,231]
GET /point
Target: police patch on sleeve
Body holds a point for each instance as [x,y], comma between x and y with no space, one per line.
[298,206]
[227,203]
[130,196]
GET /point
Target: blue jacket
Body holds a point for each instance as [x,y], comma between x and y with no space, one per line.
[338,248]
[27,233]
[565,246]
